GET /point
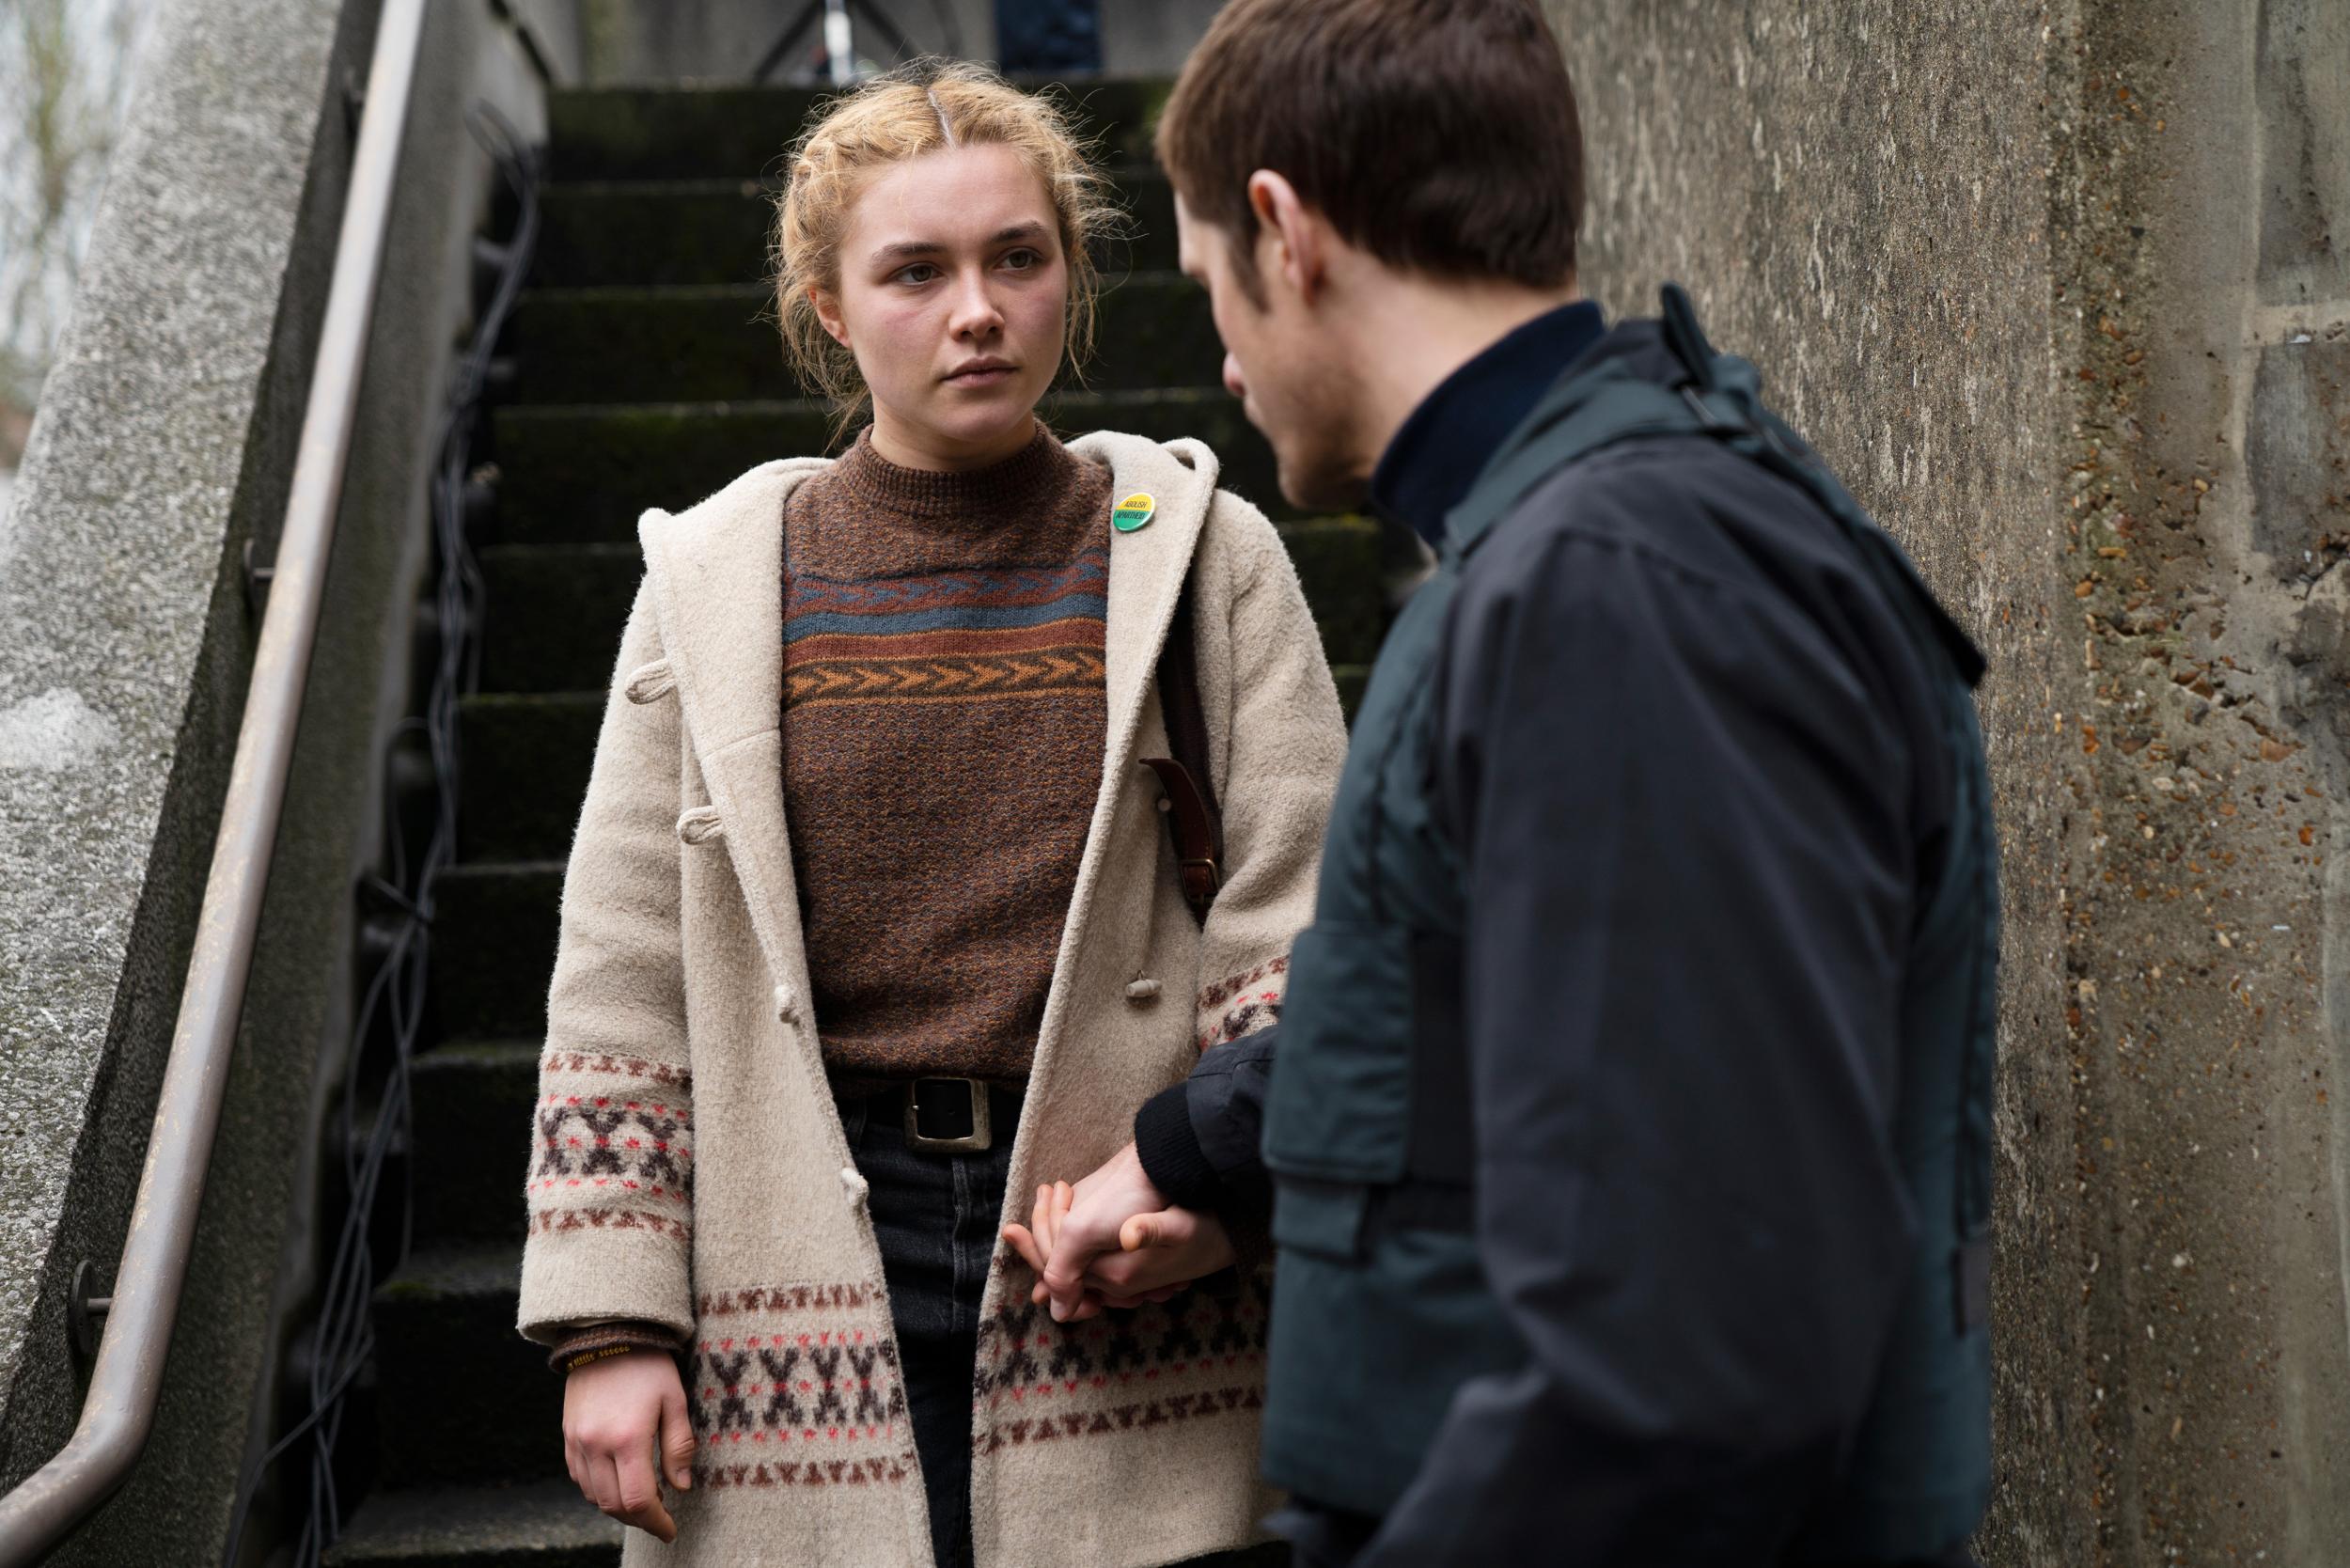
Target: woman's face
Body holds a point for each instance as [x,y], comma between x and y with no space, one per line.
[954,297]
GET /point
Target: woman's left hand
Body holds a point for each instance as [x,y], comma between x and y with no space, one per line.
[1159,1253]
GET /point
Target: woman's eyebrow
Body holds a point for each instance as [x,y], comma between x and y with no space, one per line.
[908,250]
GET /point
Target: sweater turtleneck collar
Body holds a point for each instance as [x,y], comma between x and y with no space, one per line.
[1037,470]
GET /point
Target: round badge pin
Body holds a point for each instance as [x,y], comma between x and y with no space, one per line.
[1133,512]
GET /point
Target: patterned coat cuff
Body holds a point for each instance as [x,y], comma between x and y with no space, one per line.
[600,1340]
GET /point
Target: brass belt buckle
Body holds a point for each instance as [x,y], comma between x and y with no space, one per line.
[980,1138]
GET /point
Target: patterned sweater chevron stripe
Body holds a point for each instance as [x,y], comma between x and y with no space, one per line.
[959,637]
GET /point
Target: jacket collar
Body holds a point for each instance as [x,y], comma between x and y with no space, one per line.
[715,572]
[1435,454]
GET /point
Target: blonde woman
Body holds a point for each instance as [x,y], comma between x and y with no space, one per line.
[871,919]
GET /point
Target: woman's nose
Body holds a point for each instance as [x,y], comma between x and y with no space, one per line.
[1234,381]
[974,312]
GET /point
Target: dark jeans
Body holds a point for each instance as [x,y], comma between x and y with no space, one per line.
[935,1216]
[1322,1537]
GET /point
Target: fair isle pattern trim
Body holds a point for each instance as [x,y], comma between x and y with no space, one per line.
[951,637]
[783,1298]
[550,1220]
[872,1469]
[796,1386]
[658,1073]
[1243,1004]
[616,1138]
[1197,1356]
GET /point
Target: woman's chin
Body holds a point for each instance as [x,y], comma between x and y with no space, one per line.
[983,424]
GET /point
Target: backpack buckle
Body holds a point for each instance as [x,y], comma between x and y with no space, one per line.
[1710,418]
[1201,878]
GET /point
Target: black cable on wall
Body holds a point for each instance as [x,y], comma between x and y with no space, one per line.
[392,1007]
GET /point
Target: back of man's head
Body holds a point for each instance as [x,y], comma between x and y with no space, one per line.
[1439,137]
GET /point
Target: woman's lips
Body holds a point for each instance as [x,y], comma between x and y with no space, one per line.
[982,376]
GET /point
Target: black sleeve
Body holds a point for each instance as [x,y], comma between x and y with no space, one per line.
[1683,817]
[1197,1140]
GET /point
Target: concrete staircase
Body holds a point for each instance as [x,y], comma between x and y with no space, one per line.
[646,373]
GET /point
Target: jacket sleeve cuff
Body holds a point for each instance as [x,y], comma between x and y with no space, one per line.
[597,1341]
[1171,1152]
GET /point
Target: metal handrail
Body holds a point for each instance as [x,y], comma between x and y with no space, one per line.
[119,1412]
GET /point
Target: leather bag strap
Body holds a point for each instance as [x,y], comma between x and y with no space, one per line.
[1193,818]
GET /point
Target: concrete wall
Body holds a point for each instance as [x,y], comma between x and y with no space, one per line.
[165,441]
[2060,290]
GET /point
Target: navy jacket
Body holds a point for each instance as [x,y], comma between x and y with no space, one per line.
[1679,736]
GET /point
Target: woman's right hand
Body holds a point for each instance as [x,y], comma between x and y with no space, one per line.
[622,1416]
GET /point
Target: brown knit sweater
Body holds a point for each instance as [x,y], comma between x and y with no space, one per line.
[943,729]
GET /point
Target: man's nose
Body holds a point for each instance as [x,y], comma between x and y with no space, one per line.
[1233,382]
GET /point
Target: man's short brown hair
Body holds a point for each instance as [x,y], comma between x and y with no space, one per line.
[1438,135]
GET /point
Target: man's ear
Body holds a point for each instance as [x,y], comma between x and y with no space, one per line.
[828,314]
[1297,235]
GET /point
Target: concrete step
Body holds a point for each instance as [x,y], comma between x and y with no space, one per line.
[597,233]
[678,343]
[1350,679]
[470,1122]
[602,232]
[526,770]
[1337,561]
[493,948]
[696,132]
[537,1525]
[557,612]
[584,474]
[463,1397]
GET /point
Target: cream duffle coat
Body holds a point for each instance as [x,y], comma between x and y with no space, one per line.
[688,1167]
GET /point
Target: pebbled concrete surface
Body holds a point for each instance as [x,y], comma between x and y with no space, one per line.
[2198,191]
[161,427]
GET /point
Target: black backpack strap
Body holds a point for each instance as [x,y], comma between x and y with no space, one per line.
[1727,392]
[1193,818]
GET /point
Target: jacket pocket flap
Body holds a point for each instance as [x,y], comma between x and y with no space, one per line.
[1321,1218]
[1340,1106]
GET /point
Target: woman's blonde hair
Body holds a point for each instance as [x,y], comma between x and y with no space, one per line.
[920,108]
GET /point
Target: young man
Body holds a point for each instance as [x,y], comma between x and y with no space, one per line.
[1629,1113]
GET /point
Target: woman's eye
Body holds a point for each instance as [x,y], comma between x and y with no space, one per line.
[1022,259]
[921,272]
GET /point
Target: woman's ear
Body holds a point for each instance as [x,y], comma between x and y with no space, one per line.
[828,313]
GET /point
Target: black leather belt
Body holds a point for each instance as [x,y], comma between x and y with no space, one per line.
[952,1115]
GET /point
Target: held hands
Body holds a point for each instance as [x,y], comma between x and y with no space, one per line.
[623,1421]
[1114,1241]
